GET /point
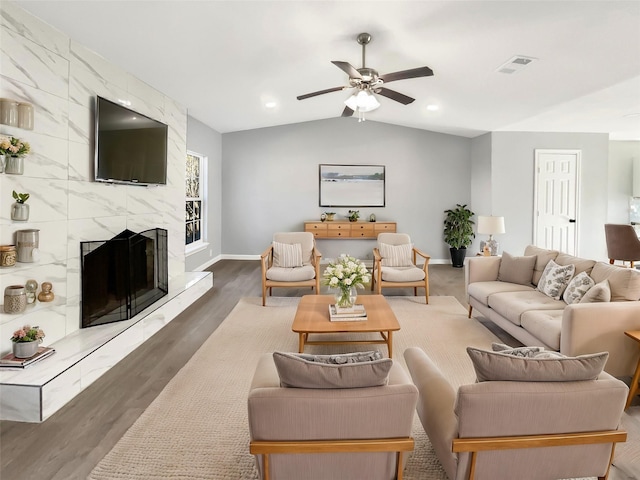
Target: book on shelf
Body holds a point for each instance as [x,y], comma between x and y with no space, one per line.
[10,360]
[347,314]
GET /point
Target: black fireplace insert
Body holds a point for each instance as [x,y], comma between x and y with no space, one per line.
[122,276]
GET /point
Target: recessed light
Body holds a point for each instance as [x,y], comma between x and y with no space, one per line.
[433,108]
[270,104]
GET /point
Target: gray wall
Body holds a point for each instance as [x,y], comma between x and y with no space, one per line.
[512,167]
[481,189]
[270,181]
[206,141]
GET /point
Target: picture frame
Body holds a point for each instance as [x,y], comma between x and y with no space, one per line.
[351,185]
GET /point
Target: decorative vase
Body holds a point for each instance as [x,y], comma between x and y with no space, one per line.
[14,165]
[330,217]
[25,349]
[19,212]
[346,297]
[15,299]
[3,160]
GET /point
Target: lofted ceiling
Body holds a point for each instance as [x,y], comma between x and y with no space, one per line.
[224,60]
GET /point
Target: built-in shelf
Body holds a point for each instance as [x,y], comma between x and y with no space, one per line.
[35,393]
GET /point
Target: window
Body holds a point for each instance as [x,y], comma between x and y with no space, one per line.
[194,218]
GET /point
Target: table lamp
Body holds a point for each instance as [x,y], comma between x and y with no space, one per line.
[490,226]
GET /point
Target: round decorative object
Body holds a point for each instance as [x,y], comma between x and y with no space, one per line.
[8,255]
[31,287]
[323,217]
[46,295]
[346,298]
[15,299]
[19,212]
[25,349]
[14,165]
[330,217]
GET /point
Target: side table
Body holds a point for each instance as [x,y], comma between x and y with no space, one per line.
[633,388]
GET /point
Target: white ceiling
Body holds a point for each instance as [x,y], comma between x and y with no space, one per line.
[224,59]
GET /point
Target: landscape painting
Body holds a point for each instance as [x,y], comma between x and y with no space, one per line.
[352,186]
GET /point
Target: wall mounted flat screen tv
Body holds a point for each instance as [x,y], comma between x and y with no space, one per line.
[130,147]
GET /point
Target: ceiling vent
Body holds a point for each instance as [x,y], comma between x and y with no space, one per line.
[515,64]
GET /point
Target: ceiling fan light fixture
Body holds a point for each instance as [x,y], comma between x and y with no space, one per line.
[362,101]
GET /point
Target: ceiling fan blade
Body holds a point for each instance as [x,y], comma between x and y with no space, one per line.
[347,112]
[320,92]
[347,68]
[393,95]
[404,74]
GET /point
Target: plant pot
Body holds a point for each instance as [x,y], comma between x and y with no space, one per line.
[457,256]
[25,349]
[19,212]
[3,160]
[345,298]
[330,217]
[14,165]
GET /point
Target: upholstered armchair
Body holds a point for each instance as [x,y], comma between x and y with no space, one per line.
[336,432]
[622,243]
[292,260]
[394,264]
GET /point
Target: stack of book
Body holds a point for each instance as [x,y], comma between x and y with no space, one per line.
[11,361]
[349,314]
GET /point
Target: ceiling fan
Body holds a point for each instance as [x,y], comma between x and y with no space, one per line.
[367,81]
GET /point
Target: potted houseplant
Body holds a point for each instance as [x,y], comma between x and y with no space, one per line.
[458,232]
[26,340]
[19,209]
[13,150]
[354,215]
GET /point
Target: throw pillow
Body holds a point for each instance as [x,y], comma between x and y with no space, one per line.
[516,351]
[356,370]
[287,255]
[516,269]
[600,292]
[577,288]
[396,255]
[555,279]
[497,366]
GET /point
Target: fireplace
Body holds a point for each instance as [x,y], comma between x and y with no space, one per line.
[122,276]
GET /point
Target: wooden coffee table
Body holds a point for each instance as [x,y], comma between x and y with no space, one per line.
[312,316]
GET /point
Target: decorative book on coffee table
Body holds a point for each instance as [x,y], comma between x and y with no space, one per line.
[347,314]
[11,361]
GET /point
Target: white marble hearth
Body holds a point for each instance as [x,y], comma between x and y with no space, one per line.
[38,391]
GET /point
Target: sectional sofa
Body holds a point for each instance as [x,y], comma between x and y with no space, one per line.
[592,316]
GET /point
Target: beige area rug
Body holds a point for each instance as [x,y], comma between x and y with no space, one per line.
[197,427]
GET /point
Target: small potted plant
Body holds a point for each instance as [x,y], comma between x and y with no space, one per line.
[26,340]
[19,209]
[330,216]
[13,150]
[354,215]
[458,232]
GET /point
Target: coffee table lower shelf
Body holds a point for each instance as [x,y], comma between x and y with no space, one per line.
[387,339]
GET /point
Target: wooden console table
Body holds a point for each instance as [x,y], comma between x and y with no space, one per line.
[346,229]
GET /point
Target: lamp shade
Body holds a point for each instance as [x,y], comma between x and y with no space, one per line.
[362,101]
[490,225]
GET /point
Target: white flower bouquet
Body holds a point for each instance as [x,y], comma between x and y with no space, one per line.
[344,274]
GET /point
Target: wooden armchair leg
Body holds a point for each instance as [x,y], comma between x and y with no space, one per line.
[470,310]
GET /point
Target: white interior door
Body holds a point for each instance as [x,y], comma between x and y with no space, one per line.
[556,202]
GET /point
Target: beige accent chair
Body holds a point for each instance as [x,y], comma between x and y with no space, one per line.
[407,274]
[622,243]
[320,434]
[305,275]
[494,429]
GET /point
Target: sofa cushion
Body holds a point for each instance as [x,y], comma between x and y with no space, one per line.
[600,292]
[511,305]
[516,269]
[581,264]
[544,325]
[578,286]
[402,274]
[497,366]
[396,255]
[542,258]
[516,351]
[481,291]
[280,274]
[624,282]
[555,279]
[354,370]
[287,255]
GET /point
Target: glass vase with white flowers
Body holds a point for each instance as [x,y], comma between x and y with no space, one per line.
[345,275]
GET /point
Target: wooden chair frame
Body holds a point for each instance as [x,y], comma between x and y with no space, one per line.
[376,274]
[483,444]
[266,262]
[266,448]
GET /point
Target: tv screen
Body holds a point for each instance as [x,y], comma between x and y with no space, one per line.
[130,147]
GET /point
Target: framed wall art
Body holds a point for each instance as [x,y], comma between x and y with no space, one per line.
[352,185]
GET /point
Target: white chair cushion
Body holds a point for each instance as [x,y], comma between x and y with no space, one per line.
[280,274]
[396,255]
[402,274]
[287,255]
[305,239]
